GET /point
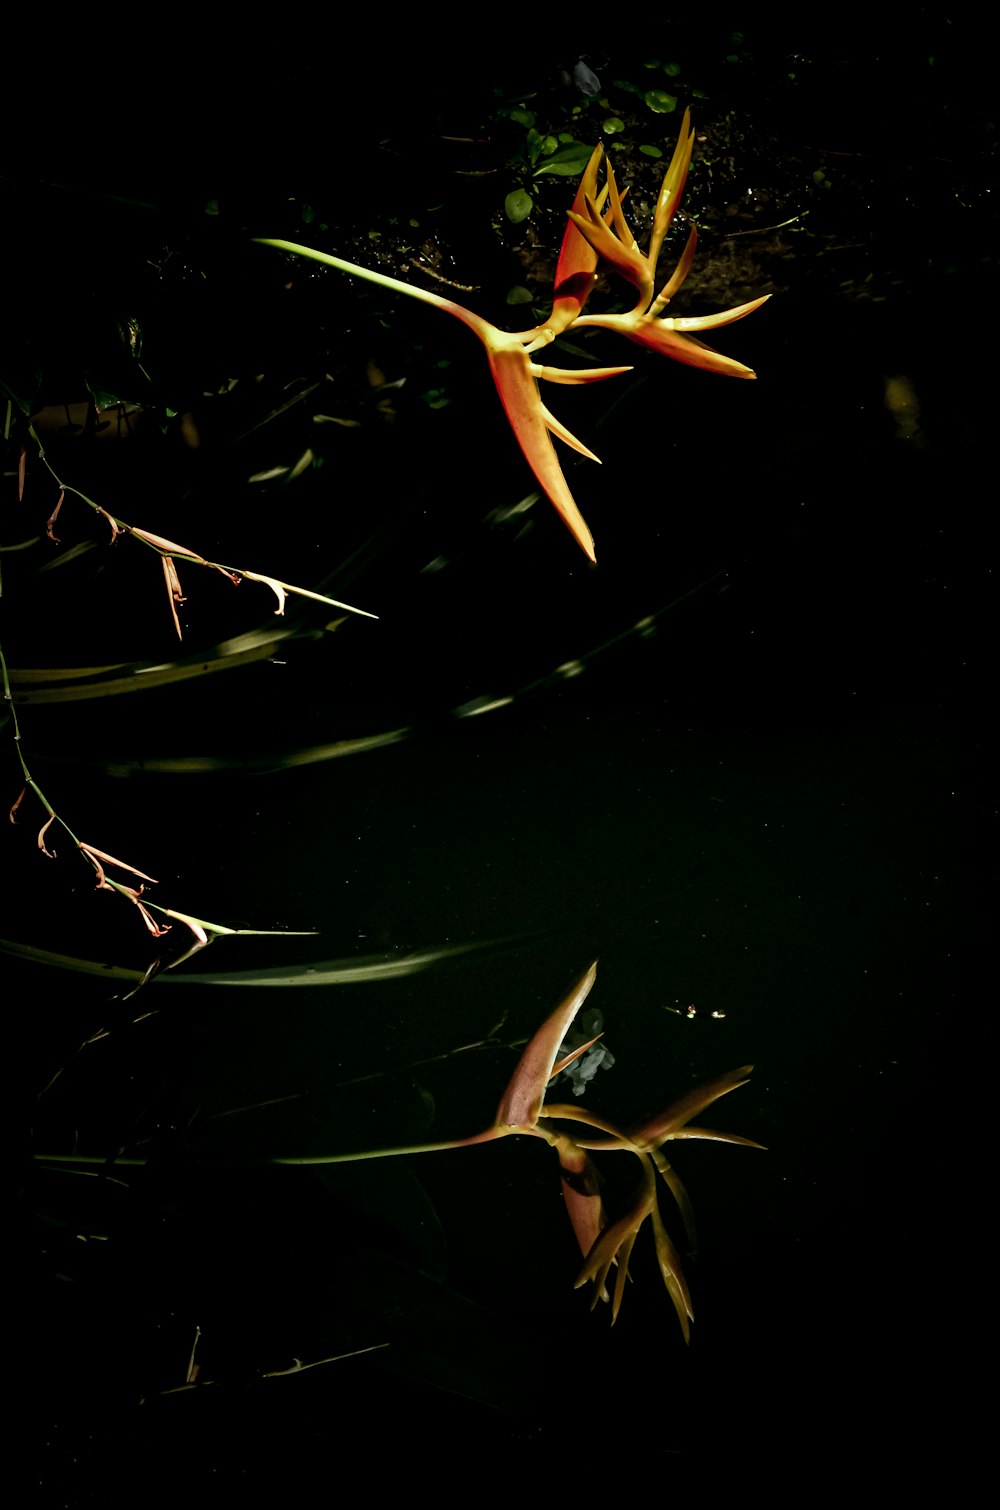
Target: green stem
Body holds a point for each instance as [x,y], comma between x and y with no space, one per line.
[383,280]
[64,486]
[489,1136]
[396,285]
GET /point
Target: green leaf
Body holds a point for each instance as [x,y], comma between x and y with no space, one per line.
[523,117]
[569,161]
[612,125]
[671,70]
[518,295]
[518,206]
[534,145]
[648,150]
[660,101]
[102,398]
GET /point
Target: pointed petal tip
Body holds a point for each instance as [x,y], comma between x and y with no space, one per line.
[578,529]
[522,1100]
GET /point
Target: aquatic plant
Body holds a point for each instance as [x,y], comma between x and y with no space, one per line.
[596,229]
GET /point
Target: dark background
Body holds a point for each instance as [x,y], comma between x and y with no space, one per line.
[743,765]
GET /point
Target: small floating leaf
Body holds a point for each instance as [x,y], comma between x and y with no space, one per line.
[648,150]
[660,101]
[612,125]
[518,206]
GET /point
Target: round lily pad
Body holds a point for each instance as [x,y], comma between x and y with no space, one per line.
[660,101]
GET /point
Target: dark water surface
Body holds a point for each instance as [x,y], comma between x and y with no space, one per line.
[741,764]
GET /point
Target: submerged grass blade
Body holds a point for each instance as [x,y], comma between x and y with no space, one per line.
[80,684]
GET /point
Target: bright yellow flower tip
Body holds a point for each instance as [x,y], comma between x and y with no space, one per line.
[672,187]
[614,241]
[623,254]
[616,244]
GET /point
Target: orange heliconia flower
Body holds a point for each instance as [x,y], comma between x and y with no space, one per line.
[596,228]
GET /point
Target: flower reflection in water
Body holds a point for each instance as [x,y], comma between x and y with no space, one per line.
[605,1243]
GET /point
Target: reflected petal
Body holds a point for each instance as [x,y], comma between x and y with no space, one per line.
[668,1123]
[615,1246]
[581,1192]
[522,1100]
[673,1275]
